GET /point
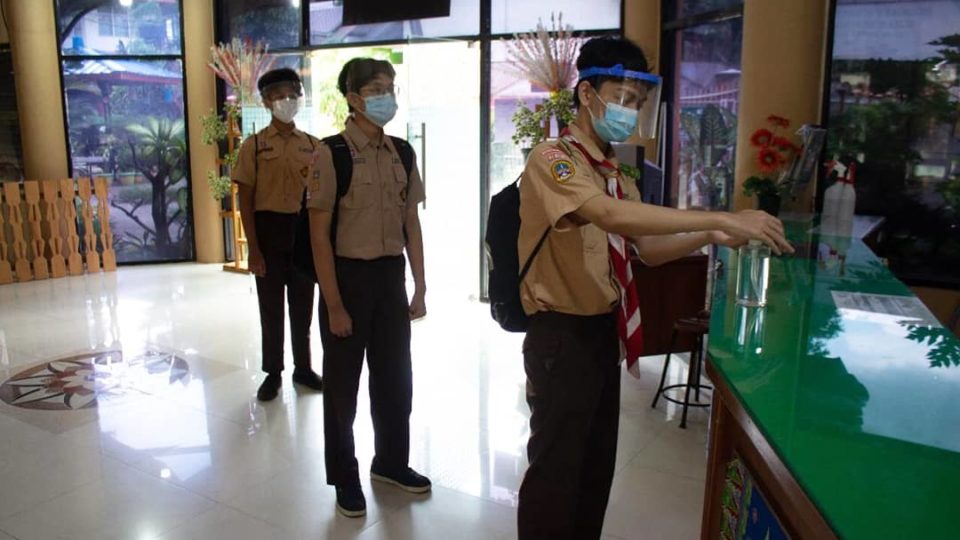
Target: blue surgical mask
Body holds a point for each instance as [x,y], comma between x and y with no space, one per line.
[618,122]
[381,109]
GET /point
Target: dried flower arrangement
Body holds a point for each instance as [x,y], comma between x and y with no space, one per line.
[546,58]
[240,64]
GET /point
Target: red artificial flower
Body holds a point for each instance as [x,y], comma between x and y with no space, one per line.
[784,144]
[778,121]
[761,138]
[769,160]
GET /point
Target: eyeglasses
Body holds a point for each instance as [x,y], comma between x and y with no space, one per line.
[376,90]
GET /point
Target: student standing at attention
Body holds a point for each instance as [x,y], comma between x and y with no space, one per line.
[363,217]
[272,173]
[583,305]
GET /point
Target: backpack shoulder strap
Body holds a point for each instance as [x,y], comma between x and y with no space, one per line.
[406,153]
[406,157]
[342,162]
[256,156]
[343,168]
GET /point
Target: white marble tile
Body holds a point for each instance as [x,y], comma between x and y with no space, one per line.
[681,452]
[122,504]
[31,473]
[200,457]
[224,523]
[300,501]
[219,461]
[446,514]
[648,503]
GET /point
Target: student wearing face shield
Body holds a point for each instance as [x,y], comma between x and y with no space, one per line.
[363,220]
[579,217]
[272,173]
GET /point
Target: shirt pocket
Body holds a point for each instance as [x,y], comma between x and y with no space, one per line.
[268,163]
[362,193]
[594,239]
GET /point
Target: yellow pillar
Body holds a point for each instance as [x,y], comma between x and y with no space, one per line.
[39,96]
[782,66]
[201,98]
[641,25]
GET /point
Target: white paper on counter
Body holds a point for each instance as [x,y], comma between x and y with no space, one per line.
[906,308]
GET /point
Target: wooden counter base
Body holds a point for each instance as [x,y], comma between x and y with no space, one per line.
[733,434]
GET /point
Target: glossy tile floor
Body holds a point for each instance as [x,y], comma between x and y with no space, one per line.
[153,430]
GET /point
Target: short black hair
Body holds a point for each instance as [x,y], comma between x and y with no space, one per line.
[276,76]
[358,72]
[606,52]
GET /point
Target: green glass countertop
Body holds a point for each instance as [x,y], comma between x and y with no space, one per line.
[862,407]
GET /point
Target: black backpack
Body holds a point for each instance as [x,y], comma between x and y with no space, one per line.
[343,166]
[503,285]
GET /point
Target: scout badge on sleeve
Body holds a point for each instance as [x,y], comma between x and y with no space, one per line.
[563,170]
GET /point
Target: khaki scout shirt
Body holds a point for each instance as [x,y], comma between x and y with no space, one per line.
[572,272]
[281,171]
[370,221]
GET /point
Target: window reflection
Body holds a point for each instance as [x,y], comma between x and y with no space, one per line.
[143,27]
[894,94]
[707,98]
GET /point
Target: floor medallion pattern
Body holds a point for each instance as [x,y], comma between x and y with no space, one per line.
[77,382]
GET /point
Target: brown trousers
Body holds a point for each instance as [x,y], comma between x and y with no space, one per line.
[375,296]
[573,389]
[275,234]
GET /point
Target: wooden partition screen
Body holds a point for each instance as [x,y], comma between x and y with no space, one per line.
[55,228]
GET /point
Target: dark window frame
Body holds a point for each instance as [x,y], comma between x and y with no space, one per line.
[186,115]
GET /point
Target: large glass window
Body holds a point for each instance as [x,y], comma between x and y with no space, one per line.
[275,22]
[326,25]
[125,121]
[508,90]
[690,8]
[516,16]
[106,27]
[704,84]
[894,106]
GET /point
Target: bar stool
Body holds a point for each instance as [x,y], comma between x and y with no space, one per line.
[699,326]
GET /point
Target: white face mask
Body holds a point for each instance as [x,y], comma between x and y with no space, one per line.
[285,109]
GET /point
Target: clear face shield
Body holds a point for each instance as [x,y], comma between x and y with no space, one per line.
[632,100]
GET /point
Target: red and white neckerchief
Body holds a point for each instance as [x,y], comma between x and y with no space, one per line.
[628,314]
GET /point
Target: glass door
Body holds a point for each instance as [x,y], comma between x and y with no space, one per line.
[439,116]
[439,102]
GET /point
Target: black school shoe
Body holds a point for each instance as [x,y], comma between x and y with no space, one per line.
[351,502]
[308,378]
[408,480]
[270,387]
